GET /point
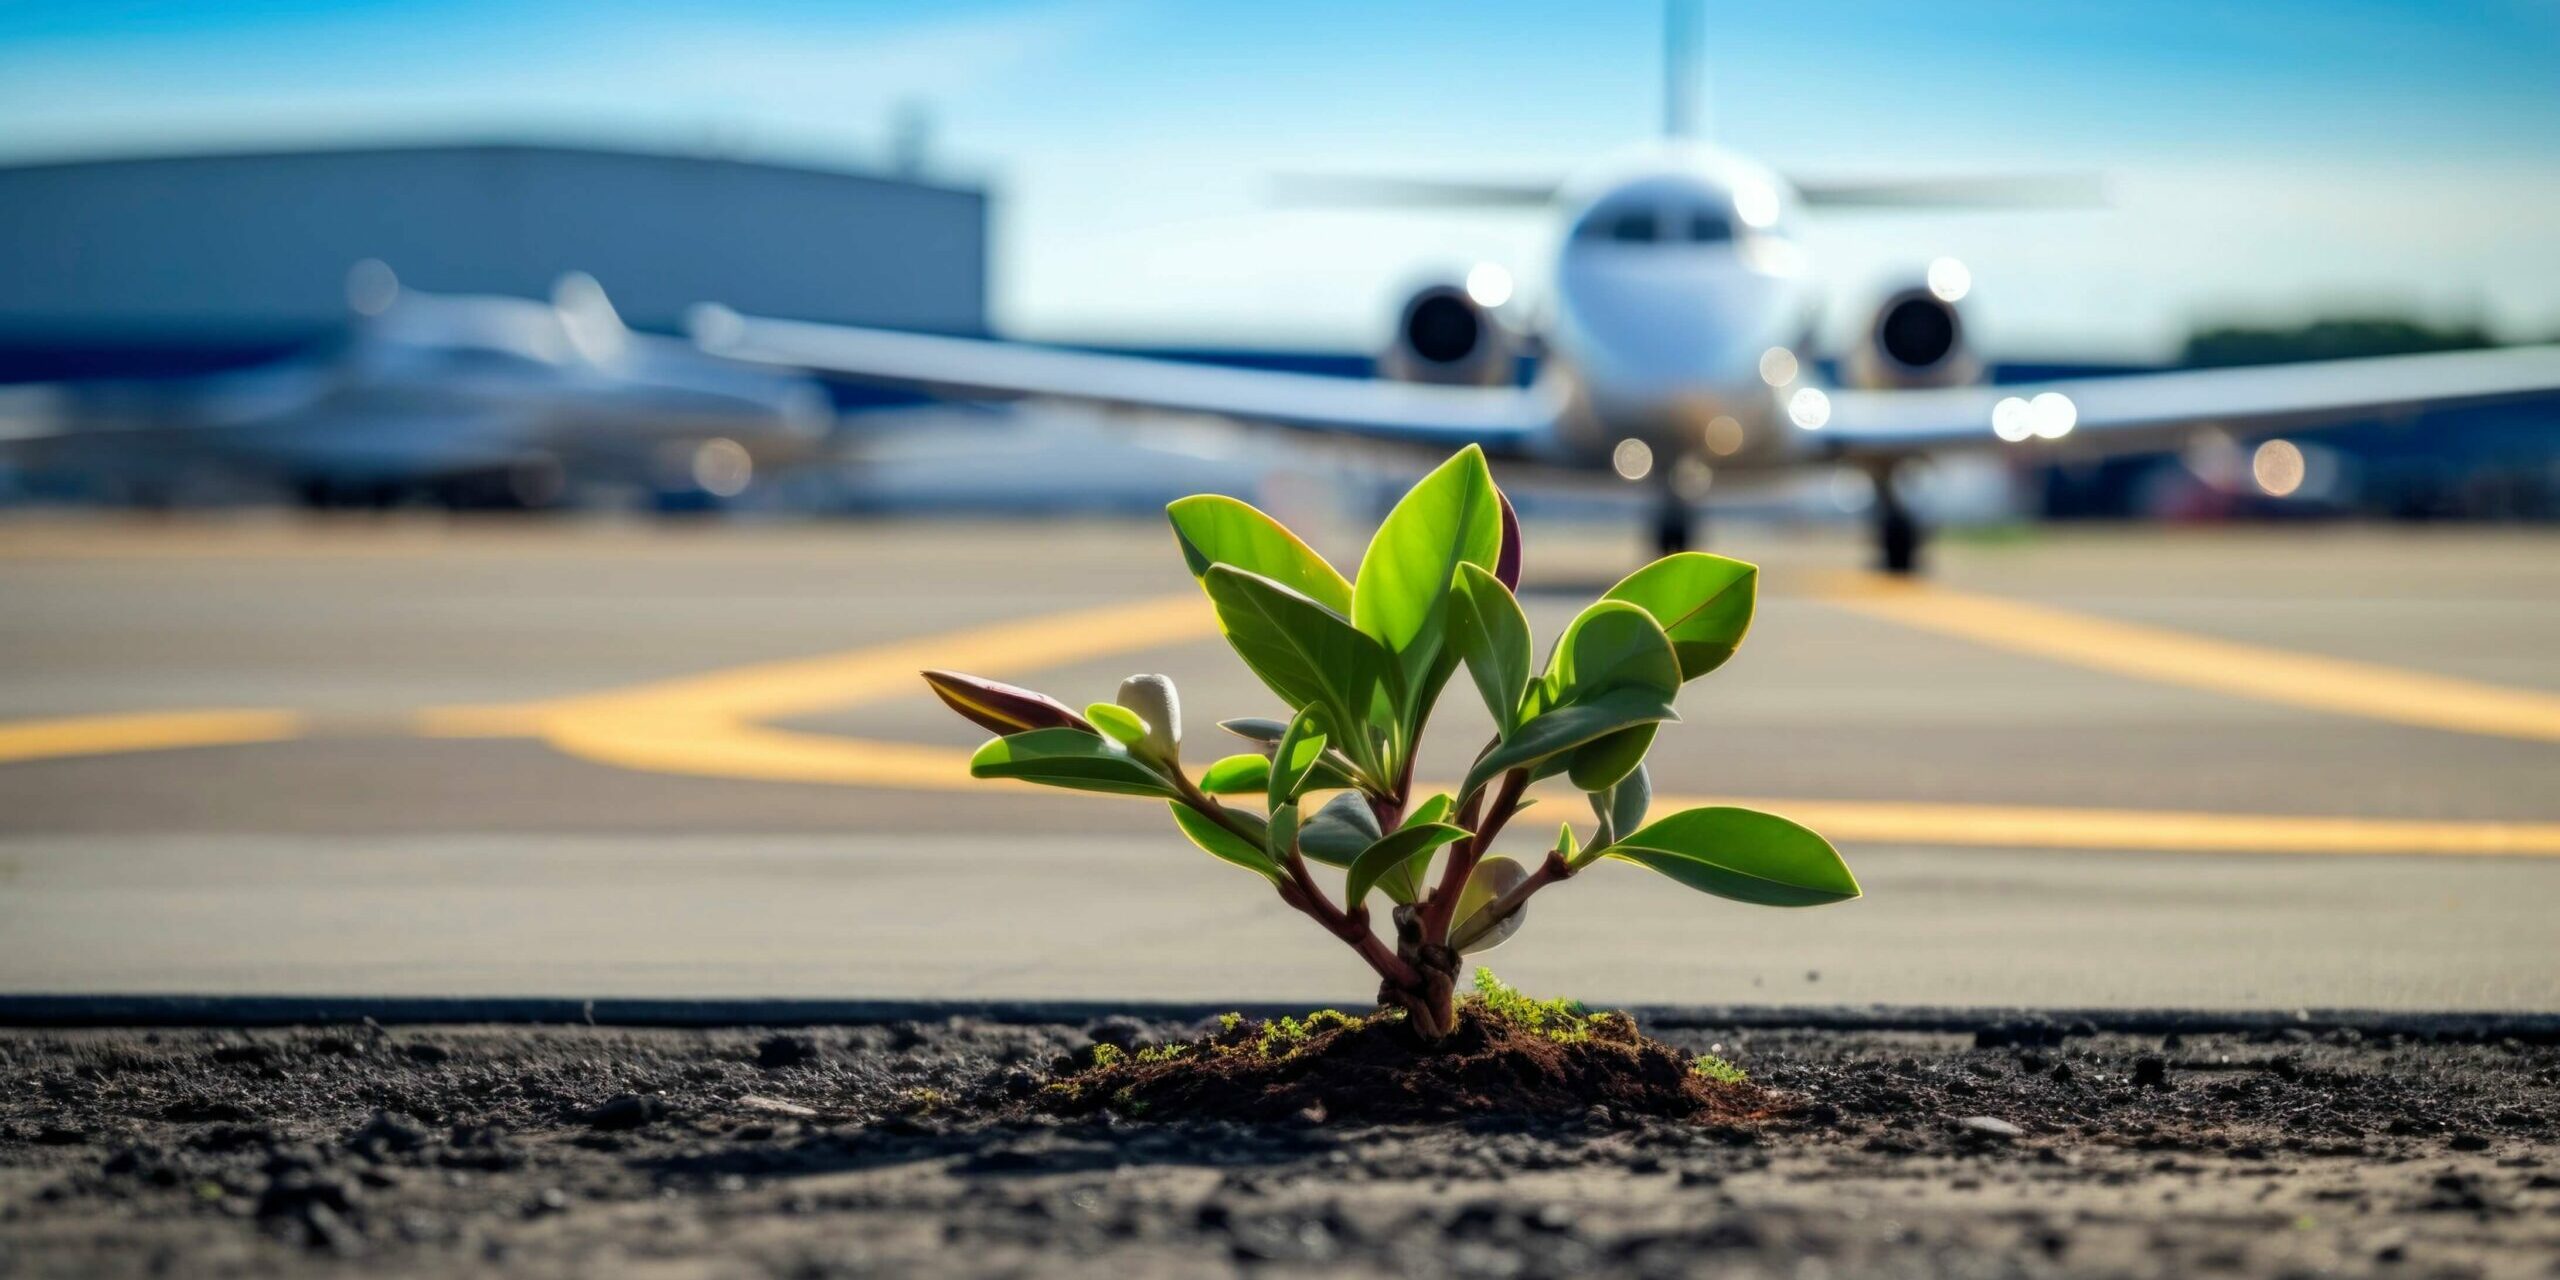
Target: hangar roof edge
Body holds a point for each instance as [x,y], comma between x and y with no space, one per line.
[488,146]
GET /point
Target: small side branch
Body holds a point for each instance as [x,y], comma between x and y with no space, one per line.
[1351,926]
[1495,912]
[1302,892]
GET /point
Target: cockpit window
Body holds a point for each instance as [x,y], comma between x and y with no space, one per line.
[1639,225]
[1635,226]
[1644,224]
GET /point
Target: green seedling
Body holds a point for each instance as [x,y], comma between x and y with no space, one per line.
[1717,1069]
[1563,1021]
[1358,665]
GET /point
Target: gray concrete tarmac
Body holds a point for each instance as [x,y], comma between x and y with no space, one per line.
[357,854]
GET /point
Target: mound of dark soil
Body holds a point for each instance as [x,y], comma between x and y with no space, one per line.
[1334,1067]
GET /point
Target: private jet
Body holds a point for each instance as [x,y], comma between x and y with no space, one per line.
[1674,348]
[468,401]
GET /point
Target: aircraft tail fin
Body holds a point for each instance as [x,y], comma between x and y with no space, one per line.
[1684,72]
[371,287]
[588,314]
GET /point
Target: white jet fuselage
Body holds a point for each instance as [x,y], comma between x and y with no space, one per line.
[1677,276]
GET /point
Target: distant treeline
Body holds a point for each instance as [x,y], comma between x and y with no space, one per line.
[2338,338]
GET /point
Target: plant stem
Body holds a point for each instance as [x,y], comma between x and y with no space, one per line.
[1442,908]
[1505,804]
[1351,926]
[1303,893]
[1553,869]
[1215,812]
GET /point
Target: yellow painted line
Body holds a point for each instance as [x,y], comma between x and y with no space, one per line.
[801,686]
[707,748]
[705,726]
[2336,685]
[763,754]
[2147,830]
[708,726]
[146,731]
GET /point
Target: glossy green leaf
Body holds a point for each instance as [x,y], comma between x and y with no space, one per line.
[1569,726]
[1491,879]
[1424,694]
[1405,883]
[1215,529]
[1341,828]
[1395,852]
[1225,845]
[1300,750]
[1599,765]
[1117,723]
[1236,775]
[1308,654]
[1491,633]
[1260,729]
[1610,645]
[1621,808]
[1069,758]
[1281,835]
[1434,809]
[1332,773]
[1744,855]
[1703,602]
[1451,516]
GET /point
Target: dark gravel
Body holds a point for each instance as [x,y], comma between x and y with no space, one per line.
[2026,1150]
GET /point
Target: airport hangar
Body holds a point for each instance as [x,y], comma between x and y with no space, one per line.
[176,264]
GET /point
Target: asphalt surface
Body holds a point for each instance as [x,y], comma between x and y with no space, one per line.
[2251,769]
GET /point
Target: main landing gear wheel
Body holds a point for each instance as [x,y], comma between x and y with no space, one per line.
[1899,534]
[1675,526]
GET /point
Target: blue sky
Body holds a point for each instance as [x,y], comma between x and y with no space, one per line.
[2265,158]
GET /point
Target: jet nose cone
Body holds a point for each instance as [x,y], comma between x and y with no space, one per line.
[1667,329]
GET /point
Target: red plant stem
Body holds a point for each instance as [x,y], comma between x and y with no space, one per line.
[1306,895]
[1439,912]
[1505,804]
[1351,926]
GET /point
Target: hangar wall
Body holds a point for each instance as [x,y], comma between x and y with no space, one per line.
[255,247]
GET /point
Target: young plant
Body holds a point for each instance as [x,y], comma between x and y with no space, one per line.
[1359,664]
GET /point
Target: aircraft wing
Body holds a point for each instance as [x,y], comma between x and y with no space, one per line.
[31,412]
[2137,412]
[1504,420]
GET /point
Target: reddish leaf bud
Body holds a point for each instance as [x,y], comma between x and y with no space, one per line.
[1002,708]
[1506,566]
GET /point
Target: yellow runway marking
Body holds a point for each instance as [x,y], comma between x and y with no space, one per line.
[715,725]
[2149,830]
[2220,666]
[754,752]
[146,731]
[799,686]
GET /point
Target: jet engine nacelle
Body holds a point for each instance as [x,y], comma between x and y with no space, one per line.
[1446,337]
[1917,339]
